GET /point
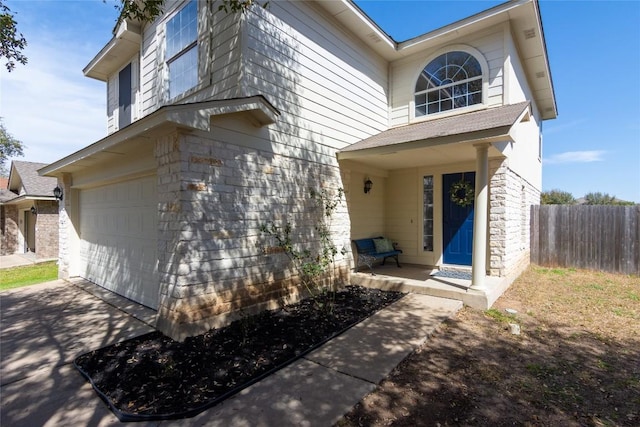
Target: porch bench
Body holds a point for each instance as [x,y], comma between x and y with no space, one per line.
[367,253]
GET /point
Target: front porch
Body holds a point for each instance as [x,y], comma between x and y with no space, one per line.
[418,279]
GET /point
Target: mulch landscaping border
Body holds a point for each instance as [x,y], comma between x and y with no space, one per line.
[125,416]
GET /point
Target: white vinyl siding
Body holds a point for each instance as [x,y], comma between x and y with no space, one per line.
[403,209]
[112,103]
[150,70]
[367,211]
[524,155]
[113,88]
[404,72]
[330,88]
[224,66]
[219,65]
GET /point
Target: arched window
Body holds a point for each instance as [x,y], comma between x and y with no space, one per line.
[452,80]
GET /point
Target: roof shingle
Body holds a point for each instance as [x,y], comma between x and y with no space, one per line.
[33,183]
[461,124]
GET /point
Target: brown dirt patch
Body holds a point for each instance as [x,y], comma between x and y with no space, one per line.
[575,363]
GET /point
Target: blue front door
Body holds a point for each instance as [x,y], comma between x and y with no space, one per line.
[457,221]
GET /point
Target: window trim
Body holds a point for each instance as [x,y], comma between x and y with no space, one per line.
[186,49]
[484,66]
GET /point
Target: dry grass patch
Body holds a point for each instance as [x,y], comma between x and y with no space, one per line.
[576,362]
[605,304]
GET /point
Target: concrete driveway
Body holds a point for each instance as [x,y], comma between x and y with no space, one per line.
[42,329]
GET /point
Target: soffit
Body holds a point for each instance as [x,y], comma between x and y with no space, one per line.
[118,51]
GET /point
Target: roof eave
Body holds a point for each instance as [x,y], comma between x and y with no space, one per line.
[12,184]
[26,197]
[553,113]
[257,109]
[124,44]
[350,15]
[498,134]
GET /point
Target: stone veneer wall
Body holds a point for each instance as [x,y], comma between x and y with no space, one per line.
[212,198]
[47,227]
[510,203]
[65,227]
[10,230]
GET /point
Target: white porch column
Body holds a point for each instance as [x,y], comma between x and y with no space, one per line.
[479,254]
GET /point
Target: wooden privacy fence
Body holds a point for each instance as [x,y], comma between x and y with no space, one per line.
[593,237]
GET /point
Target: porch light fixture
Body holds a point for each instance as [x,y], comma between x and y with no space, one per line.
[57,193]
[33,210]
[367,186]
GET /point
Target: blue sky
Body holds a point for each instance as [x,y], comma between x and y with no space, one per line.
[593,48]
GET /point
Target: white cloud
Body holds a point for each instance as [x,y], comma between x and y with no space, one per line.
[576,157]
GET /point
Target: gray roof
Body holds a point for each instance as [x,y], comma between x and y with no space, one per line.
[34,184]
[6,195]
[457,125]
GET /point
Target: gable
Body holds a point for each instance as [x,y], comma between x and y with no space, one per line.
[522,18]
[24,180]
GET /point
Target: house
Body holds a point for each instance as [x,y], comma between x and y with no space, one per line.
[219,122]
[29,213]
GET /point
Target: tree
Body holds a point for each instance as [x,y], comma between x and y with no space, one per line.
[9,147]
[144,11]
[598,198]
[313,260]
[239,5]
[557,197]
[12,43]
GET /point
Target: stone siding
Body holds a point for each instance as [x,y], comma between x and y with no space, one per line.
[65,229]
[214,264]
[510,201]
[9,229]
[47,226]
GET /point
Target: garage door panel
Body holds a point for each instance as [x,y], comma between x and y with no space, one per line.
[118,229]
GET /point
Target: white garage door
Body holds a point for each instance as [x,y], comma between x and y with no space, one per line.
[118,235]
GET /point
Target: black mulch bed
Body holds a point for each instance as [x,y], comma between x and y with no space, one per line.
[153,377]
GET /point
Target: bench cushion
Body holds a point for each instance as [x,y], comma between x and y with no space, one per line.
[383,245]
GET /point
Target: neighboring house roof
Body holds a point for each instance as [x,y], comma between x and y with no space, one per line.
[6,195]
[25,181]
[478,125]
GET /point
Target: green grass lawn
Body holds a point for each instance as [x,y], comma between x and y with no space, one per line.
[28,275]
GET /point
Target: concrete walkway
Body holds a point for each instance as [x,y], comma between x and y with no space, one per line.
[19,260]
[46,326]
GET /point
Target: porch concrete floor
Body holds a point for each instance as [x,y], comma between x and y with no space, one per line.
[417,279]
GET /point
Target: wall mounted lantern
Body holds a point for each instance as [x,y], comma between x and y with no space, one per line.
[367,186]
[57,193]
[33,210]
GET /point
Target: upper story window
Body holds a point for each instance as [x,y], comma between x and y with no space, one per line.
[452,80]
[182,49]
[125,109]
